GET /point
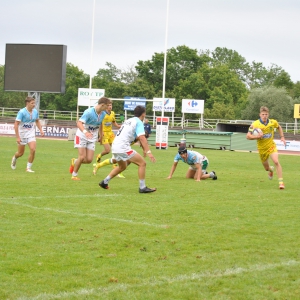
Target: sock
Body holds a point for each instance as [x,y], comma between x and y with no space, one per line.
[107,179]
[104,163]
[142,183]
[98,157]
[211,174]
[280,180]
[74,174]
[29,165]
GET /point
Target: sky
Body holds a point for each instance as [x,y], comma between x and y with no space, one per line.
[126,31]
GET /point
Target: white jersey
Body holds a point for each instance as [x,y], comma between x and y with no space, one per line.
[129,131]
[27,122]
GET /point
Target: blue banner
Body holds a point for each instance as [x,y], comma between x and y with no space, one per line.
[130,103]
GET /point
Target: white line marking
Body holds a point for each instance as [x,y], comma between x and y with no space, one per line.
[77,213]
[160,281]
[58,197]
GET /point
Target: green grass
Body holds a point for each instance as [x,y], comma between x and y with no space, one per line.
[234,238]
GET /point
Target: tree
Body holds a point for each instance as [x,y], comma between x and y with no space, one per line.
[181,63]
[278,101]
[295,92]
[283,80]
[220,111]
[111,73]
[233,60]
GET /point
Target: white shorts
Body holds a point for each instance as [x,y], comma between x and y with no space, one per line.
[124,156]
[204,166]
[84,143]
[25,141]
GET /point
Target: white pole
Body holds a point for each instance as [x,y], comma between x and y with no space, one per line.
[165,56]
[92,47]
[164,74]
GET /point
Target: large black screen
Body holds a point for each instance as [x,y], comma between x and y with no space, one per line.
[35,68]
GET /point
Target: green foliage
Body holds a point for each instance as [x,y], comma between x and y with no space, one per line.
[231,59]
[220,111]
[181,63]
[278,101]
[283,80]
[222,77]
[233,238]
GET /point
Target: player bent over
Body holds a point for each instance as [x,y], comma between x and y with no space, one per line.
[265,143]
[121,149]
[198,164]
[89,128]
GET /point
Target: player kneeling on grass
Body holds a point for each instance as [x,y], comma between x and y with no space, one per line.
[198,164]
[123,154]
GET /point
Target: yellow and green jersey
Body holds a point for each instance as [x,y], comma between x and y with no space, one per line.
[107,122]
[266,144]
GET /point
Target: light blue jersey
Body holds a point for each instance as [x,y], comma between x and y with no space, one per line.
[91,119]
[27,122]
[129,131]
[193,158]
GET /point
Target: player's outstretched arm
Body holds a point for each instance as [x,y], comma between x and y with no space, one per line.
[173,168]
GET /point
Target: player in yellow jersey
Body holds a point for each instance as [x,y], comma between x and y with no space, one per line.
[108,137]
[265,142]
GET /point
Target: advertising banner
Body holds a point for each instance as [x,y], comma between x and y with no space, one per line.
[89,97]
[296,111]
[130,103]
[7,129]
[290,145]
[162,124]
[192,106]
[167,103]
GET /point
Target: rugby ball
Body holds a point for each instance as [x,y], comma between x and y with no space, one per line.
[256,131]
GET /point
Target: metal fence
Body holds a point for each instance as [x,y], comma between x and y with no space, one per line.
[206,124]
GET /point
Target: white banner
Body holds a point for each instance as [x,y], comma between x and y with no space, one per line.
[89,97]
[162,124]
[192,106]
[169,104]
[7,129]
[290,145]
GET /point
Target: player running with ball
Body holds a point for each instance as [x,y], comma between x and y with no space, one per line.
[265,142]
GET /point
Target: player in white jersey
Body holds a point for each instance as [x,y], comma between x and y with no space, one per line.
[197,162]
[131,130]
[88,132]
[26,120]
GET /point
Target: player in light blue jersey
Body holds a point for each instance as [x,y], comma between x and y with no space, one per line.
[88,132]
[26,120]
[197,162]
[131,130]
